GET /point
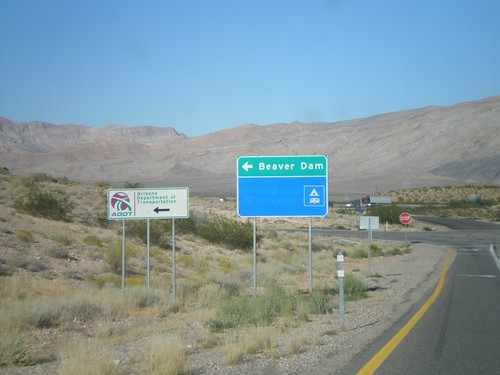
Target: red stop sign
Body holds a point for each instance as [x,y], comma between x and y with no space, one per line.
[405,218]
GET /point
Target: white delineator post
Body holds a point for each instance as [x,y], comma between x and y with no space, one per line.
[340,274]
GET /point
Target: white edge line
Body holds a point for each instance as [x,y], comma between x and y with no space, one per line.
[495,258]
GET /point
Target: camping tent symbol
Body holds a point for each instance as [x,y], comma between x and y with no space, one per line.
[314,197]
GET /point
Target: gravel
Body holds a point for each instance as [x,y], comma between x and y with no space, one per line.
[318,346]
[396,284]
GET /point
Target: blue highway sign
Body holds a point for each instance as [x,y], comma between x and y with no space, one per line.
[291,186]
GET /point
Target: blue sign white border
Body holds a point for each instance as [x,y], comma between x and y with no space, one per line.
[325,205]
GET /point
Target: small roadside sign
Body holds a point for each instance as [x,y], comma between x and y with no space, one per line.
[160,203]
[405,218]
[369,222]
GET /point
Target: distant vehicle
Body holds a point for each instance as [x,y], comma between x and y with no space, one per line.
[348,205]
[379,200]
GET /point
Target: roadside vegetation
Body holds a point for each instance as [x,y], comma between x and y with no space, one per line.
[468,202]
[61,302]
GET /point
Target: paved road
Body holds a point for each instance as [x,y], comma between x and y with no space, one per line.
[460,333]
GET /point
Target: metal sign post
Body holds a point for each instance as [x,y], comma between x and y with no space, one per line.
[147,254]
[405,219]
[369,247]
[254,257]
[123,254]
[310,258]
[174,282]
[170,203]
[340,274]
[369,223]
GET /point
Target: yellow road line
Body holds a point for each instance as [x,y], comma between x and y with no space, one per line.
[372,365]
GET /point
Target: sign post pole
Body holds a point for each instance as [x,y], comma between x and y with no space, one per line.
[123,254]
[406,236]
[310,257]
[254,257]
[369,223]
[147,253]
[340,274]
[369,246]
[405,219]
[173,262]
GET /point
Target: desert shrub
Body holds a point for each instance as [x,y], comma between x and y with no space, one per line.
[25,235]
[386,212]
[166,356]
[317,247]
[113,256]
[187,225]
[259,340]
[63,240]
[81,357]
[101,219]
[37,314]
[132,185]
[81,308]
[57,252]
[92,240]
[28,263]
[294,345]
[209,294]
[319,302]
[354,288]
[140,297]
[158,231]
[233,353]
[230,232]
[394,251]
[13,350]
[34,179]
[376,250]
[51,204]
[241,310]
[358,253]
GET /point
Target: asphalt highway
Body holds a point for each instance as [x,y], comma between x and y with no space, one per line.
[460,331]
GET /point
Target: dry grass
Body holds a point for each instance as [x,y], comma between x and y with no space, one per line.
[60,284]
[166,355]
[233,352]
[294,345]
[82,357]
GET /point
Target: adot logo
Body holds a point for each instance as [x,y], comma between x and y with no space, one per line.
[120,202]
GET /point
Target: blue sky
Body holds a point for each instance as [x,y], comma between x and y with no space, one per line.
[206,65]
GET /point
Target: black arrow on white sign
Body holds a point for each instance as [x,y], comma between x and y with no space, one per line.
[158,210]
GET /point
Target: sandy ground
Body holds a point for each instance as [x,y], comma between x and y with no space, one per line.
[322,345]
[398,283]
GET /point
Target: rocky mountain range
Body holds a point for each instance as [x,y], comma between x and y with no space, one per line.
[432,146]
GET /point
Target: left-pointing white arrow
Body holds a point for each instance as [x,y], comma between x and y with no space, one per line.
[247,166]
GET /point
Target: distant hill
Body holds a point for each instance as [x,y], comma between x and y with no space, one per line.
[432,146]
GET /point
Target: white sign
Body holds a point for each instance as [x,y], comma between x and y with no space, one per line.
[368,222]
[148,203]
